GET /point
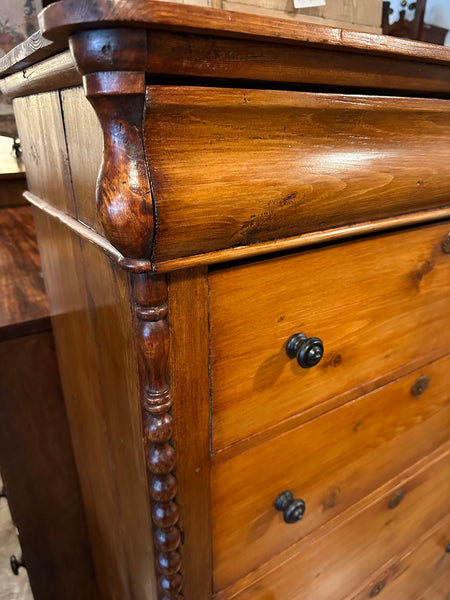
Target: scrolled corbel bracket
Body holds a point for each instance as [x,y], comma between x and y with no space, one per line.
[112,63]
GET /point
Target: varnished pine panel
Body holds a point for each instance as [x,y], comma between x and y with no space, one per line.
[268,64]
[84,147]
[377,304]
[240,167]
[91,315]
[339,562]
[41,131]
[189,374]
[330,462]
[59,19]
[422,574]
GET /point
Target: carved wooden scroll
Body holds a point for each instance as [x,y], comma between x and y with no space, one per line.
[112,63]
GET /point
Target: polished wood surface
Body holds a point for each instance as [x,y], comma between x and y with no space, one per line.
[304,240]
[62,18]
[377,304]
[91,315]
[266,65]
[117,93]
[191,411]
[23,303]
[263,64]
[341,560]
[423,573]
[330,462]
[292,163]
[226,137]
[152,341]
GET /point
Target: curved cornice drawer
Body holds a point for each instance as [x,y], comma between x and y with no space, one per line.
[237,167]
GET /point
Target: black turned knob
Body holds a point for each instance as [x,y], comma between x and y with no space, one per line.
[293,509]
[307,351]
[16,564]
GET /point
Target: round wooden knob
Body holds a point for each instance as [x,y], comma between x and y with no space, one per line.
[293,509]
[16,563]
[307,351]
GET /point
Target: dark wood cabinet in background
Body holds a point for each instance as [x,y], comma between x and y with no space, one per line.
[36,455]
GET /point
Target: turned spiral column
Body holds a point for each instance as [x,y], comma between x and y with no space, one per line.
[150,293]
[113,63]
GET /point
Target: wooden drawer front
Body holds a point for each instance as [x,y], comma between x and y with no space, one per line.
[336,564]
[330,462]
[424,574]
[376,304]
[239,166]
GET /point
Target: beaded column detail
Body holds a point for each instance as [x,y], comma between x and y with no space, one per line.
[150,293]
[113,64]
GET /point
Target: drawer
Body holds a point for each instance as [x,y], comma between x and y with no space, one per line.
[240,167]
[330,463]
[339,562]
[423,574]
[376,304]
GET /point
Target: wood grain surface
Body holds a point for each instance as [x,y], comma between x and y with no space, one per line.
[330,462]
[340,561]
[114,83]
[239,167]
[91,316]
[41,131]
[189,375]
[23,303]
[54,73]
[62,18]
[85,148]
[420,574]
[377,304]
[38,468]
[267,63]
[33,49]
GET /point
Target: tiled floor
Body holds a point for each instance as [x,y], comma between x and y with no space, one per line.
[12,587]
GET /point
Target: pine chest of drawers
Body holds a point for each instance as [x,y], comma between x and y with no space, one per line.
[244,228]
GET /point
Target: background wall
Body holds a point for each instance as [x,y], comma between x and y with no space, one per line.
[18,20]
[436,13]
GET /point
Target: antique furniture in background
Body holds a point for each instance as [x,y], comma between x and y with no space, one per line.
[12,171]
[415,29]
[36,455]
[244,229]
